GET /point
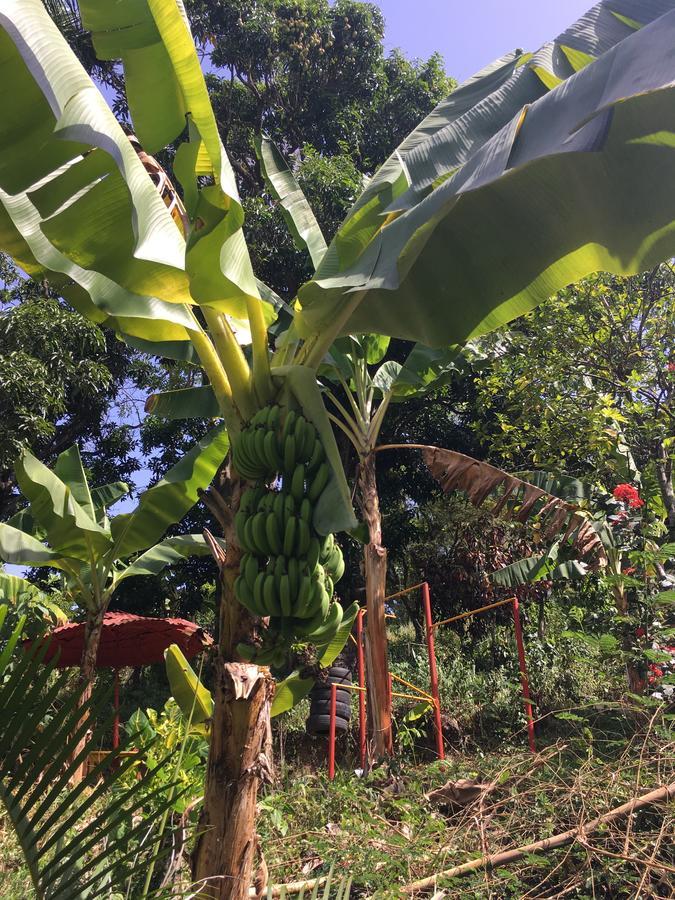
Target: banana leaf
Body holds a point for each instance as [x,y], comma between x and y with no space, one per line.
[538,568]
[70,530]
[296,211]
[69,164]
[167,553]
[184,403]
[193,698]
[166,502]
[529,176]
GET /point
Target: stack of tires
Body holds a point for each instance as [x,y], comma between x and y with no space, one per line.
[319,710]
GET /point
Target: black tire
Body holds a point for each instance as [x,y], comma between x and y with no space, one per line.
[321,724]
[338,674]
[342,710]
[321,695]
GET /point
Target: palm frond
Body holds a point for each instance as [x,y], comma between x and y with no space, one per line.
[79,840]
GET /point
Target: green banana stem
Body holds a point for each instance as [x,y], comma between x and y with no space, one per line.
[262,378]
[377,420]
[316,347]
[210,362]
[233,360]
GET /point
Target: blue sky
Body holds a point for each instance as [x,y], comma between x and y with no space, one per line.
[470,35]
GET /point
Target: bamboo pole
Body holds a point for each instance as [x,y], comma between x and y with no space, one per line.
[559,840]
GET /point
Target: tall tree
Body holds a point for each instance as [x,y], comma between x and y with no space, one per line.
[585,385]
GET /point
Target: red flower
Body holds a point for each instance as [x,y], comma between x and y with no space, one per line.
[670,367]
[640,632]
[626,493]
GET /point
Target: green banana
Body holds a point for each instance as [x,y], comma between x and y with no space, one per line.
[243,592]
[259,448]
[311,439]
[289,454]
[299,435]
[259,534]
[249,568]
[278,509]
[304,537]
[274,417]
[298,483]
[289,508]
[289,536]
[319,482]
[240,520]
[331,624]
[319,602]
[258,592]
[285,595]
[294,576]
[272,533]
[303,608]
[271,452]
[270,596]
[316,458]
[306,510]
[289,424]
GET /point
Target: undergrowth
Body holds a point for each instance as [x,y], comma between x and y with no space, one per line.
[386,831]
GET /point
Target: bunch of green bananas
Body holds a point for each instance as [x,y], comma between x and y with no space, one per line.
[288,571]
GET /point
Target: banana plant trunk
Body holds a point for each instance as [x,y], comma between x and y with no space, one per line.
[377,656]
[239,755]
[92,638]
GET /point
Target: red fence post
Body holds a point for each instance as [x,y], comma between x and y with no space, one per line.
[426,599]
[523,674]
[331,732]
[362,684]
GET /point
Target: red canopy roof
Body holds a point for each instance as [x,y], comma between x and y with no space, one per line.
[126,640]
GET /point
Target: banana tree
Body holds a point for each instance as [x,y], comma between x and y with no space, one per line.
[537,171]
[65,526]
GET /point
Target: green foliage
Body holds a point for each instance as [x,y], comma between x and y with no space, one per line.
[569,405]
[80,540]
[72,848]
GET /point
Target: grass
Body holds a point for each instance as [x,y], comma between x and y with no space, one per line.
[386,832]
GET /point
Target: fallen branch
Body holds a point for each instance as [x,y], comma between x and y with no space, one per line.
[552,843]
[295,887]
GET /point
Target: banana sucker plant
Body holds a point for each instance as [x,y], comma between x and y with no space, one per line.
[65,526]
[541,169]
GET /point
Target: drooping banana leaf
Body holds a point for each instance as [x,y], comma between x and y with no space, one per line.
[510,190]
[184,403]
[193,698]
[166,553]
[75,846]
[166,502]
[296,211]
[67,164]
[166,89]
[518,500]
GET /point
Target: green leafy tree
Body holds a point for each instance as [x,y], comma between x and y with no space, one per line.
[63,379]
[585,386]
